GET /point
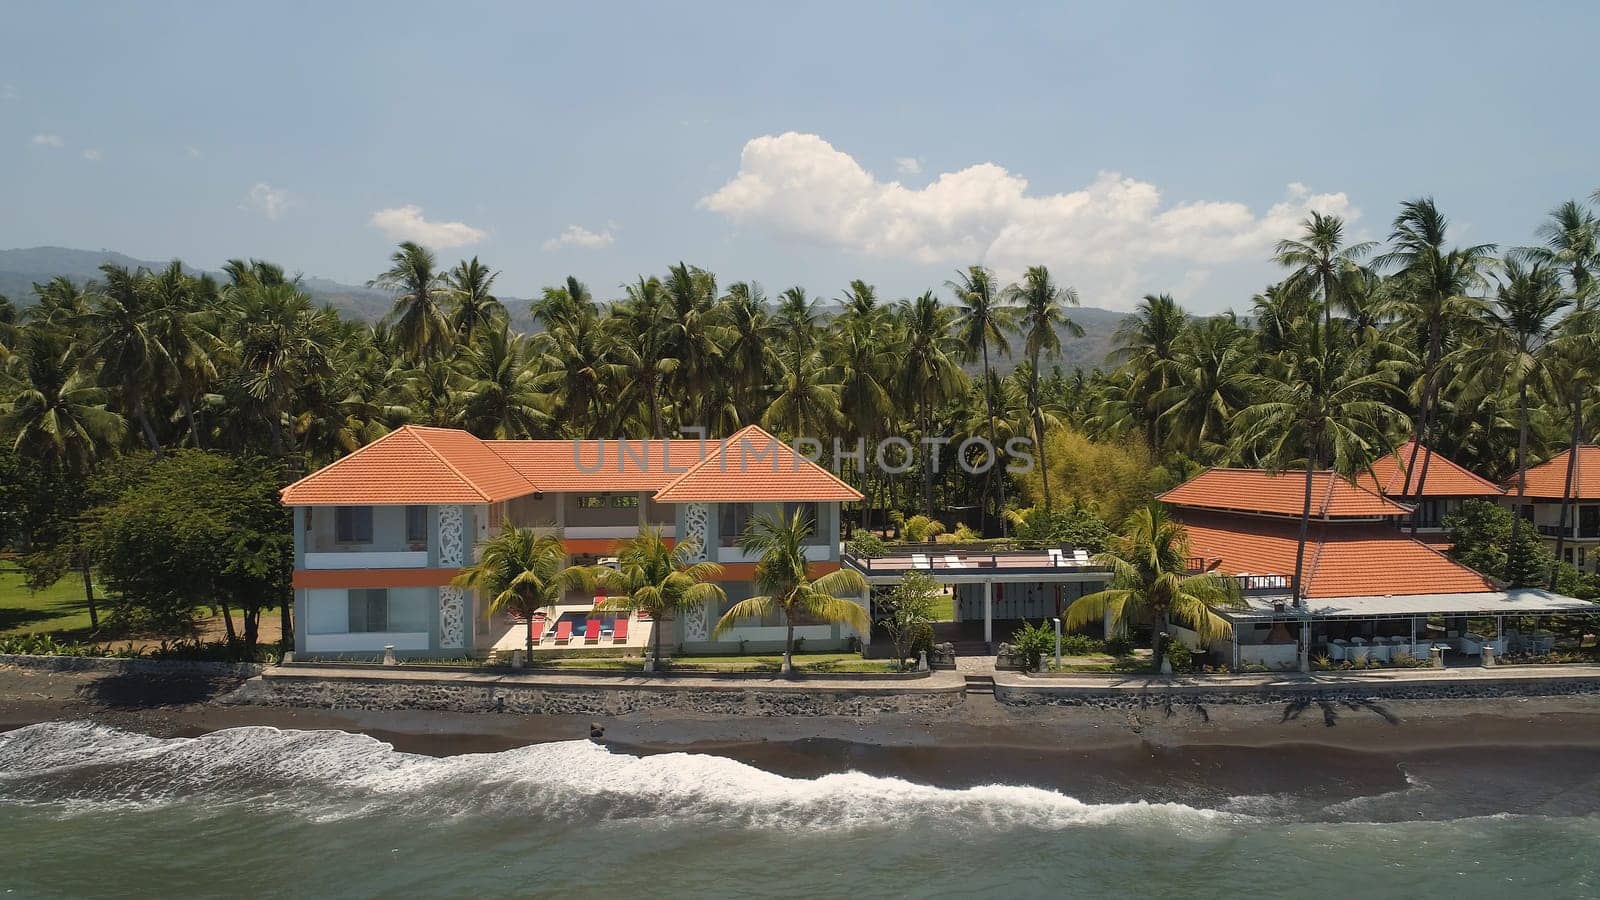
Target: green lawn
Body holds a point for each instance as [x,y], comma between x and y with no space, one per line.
[58,608]
[805,662]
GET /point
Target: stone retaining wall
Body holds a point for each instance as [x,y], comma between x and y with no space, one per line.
[537,699]
[139,666]
[1222,695]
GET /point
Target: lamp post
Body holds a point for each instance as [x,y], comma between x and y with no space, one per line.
[1057,620]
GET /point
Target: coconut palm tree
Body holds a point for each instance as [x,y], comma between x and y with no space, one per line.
[1150,579]
[807,400]
[783,576]
[982,322]
[500,399]
[122,331]
[928,376]
[523,572]
[1043,315]
[749,355]
[420,322]
[798,319]
[470,287]
[1320,259]
[1329,409]
[1145,346]
[1515,348]
[1213,363]
[661,580]
[1432,290]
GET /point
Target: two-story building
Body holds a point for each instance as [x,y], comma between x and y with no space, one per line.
[1438,487]
[380,533]
[1541,504]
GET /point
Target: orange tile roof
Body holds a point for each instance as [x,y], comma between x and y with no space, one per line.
[1341,560]
[1548,480]
[444,466]
[754,466]
[1445,478]
[412,464]
[605,465]
[1281,494]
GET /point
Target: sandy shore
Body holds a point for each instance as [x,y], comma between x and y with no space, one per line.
[1338,749]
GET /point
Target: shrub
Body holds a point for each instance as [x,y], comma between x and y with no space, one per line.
[1322,663]
[1181,657]
[865,544]
[1031,643]
[1120,645]
[1081,645]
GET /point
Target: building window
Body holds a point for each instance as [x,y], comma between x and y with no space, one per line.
[417,525]
[732,518]
[625,501]
[353,524]
[592,501]
[379,610]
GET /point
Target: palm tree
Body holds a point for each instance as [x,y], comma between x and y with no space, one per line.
[807,401]
[122,331]
[1330,408]
[929,376]
[523,572]
[1150,579]
[500,400]
[418,315]
[799,319]
[577,365]
[1043,306]
[784,579]
[470,285]
[1519,327]
[1213,366]
[1432,290]
[695,337]
[661,580]
[1577,352]
[861,366]
[282,346]
[1320,258]
[749,355]
[60,421]
[982,322]
[1146,347]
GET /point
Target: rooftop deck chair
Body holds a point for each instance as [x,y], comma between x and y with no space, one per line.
[920,561]
[954,562]
[563,631]
[1081,557]
[1056,559]
[591,631]
[619,631]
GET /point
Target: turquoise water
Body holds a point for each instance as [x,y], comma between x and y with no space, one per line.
[89,811]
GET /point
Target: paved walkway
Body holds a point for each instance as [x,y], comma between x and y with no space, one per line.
[936,681]
[1458,675]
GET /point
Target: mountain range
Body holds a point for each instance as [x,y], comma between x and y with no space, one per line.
[20,269]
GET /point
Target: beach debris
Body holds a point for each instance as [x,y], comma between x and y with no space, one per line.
[596,731]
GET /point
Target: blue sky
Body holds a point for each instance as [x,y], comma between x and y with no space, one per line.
[1131,150]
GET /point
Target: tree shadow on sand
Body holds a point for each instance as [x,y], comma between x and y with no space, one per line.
[1330,712]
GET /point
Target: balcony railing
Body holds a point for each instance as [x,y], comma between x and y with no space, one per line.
[1572,531]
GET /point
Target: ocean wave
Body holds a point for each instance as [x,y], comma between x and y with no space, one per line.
[338,775]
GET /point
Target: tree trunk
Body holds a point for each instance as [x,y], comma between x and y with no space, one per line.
[788,644]
[1038,431]
[227,622]
[994,457]
[655,637]
[1305,527]
[1158,642]
[252,630]
[194,427]
[527,644]
[148,428]
[88,591]
[286,623]
[1566,491]
[927,468]
[1522,468]
[1422,479]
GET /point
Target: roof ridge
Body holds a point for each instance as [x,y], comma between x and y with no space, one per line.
[707,457]
[508,464]
[476,488]
[407,429]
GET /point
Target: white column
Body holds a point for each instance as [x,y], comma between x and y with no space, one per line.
[988,611]
[866,604]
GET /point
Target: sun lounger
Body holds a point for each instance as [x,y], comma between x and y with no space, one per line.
[920,561]
[1081,557]
[1056,559]
[591,631]
[563,631]
[954,562]
[619,631]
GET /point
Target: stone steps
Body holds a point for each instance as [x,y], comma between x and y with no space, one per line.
[980,684]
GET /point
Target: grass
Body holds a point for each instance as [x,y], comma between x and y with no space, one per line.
[58,609]
[1102,663]
[804,662]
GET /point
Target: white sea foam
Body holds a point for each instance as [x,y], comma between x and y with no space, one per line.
[333,774]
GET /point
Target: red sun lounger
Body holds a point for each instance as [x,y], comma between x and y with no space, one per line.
[591,631]
[619,631]
[563,631]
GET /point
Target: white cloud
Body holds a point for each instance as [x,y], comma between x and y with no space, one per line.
[1101,237]
[194,152]
[269,201]
[48,140]
[583,238]
[908,165]
[405,223]
[92,155]
[8,92]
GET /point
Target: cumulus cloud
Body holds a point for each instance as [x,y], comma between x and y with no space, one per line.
[908,165]
[269,201]
[48,140]
[582,238]
[92,155]
[405,223]
[194,152]
[800,186]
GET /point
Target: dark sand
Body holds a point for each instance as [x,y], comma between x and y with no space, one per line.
[1317,753]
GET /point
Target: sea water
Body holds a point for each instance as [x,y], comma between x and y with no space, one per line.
[90,811]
